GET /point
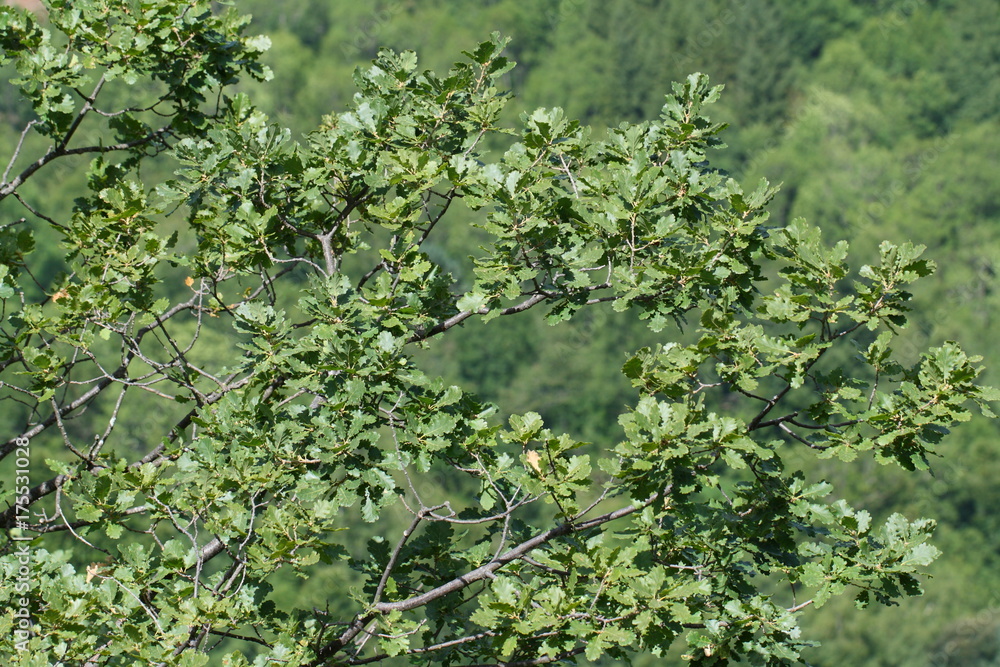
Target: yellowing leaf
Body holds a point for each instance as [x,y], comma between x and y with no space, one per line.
[533,458]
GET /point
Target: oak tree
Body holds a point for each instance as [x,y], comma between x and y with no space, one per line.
[216,385]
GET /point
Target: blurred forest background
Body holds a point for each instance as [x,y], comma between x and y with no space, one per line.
[881,120]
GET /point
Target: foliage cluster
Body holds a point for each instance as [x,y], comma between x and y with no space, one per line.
[222,365]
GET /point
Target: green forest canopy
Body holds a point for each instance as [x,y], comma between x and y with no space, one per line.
[857,152]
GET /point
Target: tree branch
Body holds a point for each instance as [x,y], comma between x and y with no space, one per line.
[466,314]
[545,659]
[480,573]
[55,153]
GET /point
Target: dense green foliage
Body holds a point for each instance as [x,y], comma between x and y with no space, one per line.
[878,118]
[225,341]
